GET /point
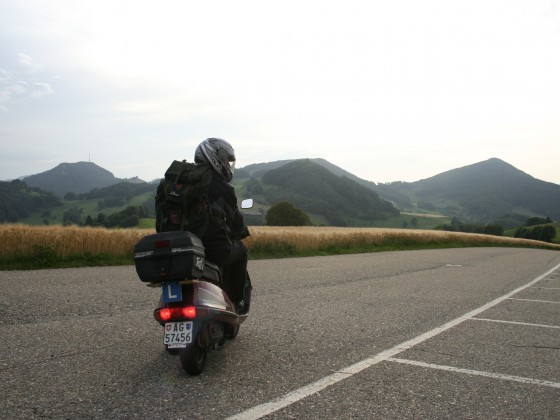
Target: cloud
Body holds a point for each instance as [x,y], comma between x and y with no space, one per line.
[22,84]
[28,63]
[40,89]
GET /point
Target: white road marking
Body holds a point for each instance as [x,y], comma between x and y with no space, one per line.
[312,388]
[478,373]
[535,300]
[545,288]
[514,322]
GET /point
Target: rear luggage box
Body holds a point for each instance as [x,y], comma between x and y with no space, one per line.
[169,256]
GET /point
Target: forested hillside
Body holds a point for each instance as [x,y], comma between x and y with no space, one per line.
[17,201]
[489,192]
[257,170]
[124,190]
[316,190]
[482,192]
[117,205]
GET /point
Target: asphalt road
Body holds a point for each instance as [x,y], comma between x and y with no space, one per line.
[460,333]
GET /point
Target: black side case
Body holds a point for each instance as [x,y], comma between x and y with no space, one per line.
[169,256]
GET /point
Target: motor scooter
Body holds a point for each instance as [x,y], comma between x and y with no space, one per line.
[195,311]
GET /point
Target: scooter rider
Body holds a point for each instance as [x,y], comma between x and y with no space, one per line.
[222,240]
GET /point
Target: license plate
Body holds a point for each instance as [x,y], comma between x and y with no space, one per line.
[178,334]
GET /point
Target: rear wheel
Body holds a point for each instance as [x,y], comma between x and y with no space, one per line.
[193,358]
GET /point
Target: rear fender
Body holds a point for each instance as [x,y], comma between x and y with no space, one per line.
[211,302]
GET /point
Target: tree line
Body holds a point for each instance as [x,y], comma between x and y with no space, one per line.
[537,228]
[17,200]
[126,218]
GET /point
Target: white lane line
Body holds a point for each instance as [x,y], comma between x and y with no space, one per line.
[535,300]
[312,388]
[478,373]
[514,322]
[545,288]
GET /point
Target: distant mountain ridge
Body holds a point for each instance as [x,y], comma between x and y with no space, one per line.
[258,169]
[317,190]
[79,177]
[483,191]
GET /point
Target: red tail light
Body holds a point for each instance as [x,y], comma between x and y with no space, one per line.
[189,312]
[164,314]
[176,313]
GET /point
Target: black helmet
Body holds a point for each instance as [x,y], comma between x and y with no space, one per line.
[219,154]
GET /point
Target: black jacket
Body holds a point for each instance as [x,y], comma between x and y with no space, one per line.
[227,222]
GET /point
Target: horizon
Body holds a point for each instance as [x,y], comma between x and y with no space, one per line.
[148,180]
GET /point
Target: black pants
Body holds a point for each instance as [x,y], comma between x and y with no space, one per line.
[233,259]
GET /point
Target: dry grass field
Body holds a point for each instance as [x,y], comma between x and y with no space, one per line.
[313,238]
[18,240]
[22,240]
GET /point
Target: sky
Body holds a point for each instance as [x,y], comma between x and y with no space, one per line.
[388,90]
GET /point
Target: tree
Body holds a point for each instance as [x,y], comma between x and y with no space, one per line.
[285,214]
[548,233]
[129,221]
[72,216]
[540,233]
[101,219]
[126,218]
[496,230]
[533,221]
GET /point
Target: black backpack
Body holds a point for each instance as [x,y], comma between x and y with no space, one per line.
[182,198]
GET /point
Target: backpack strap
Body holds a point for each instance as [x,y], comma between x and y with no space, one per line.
[197,198]
[184,214]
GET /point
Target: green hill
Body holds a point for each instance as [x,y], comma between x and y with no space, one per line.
[482,192]
[76,177]
[259,169]
[316,190]
[486,192]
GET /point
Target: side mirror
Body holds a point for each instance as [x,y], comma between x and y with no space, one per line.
[247,203]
